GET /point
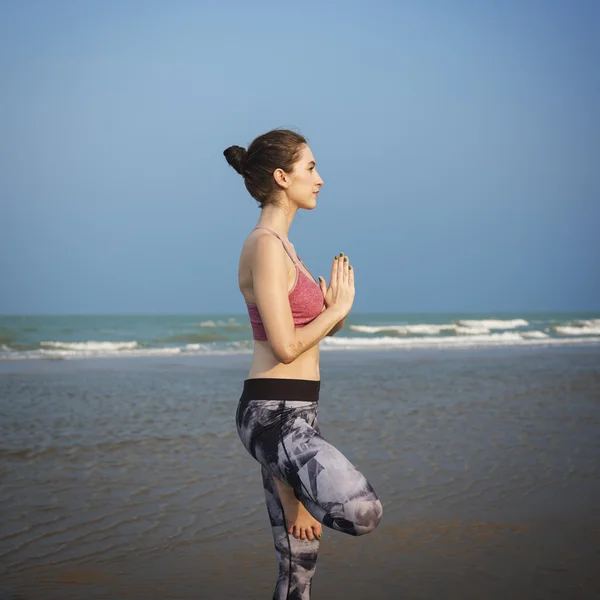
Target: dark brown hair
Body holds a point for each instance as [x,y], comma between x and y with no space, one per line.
[277,149]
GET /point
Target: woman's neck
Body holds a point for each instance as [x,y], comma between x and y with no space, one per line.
[278,218]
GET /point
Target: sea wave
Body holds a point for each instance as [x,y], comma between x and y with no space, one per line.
[494,339]
[229,324]
[492,323]
[76,350]
[388,337]
[90,346]
[460,327]
[539,335]
[420,329]
[580,327]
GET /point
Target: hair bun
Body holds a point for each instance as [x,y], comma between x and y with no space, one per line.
[236,157]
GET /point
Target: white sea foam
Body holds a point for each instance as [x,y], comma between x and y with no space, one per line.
[413,342]
[461,327]
[372,328]
[578,330]
[90,346]
[495,339]
[97,353]
[492,323]
[471,330]
[538,335]
[586,332]
[421,329]
[229,323]
[233,348]
[579,327]
[77,350]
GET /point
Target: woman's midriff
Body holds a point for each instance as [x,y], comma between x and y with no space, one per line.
[264,364]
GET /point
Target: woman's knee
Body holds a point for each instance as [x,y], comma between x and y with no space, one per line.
[367,514]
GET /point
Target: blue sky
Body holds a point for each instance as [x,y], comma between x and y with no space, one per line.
[459,143]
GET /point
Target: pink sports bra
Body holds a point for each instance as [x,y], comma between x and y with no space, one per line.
[306,298]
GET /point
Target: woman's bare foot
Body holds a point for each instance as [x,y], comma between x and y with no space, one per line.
[300,523]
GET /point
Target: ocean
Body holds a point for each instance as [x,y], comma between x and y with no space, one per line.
[89,336]
[122,476]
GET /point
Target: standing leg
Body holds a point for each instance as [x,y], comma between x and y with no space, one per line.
[296,558]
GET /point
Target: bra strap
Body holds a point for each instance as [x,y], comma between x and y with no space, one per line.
[279,238]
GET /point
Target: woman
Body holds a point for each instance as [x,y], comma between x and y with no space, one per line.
[307,481]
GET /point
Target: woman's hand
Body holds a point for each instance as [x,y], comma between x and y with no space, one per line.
[340,293]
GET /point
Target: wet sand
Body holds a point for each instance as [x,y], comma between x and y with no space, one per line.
[125,478]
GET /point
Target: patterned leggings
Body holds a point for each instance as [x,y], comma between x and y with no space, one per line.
[277,422]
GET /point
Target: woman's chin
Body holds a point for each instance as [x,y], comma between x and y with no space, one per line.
[308,203]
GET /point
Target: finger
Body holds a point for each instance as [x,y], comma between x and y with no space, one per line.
[323,285]
[351,276]
[344,274]
[341,268]
[334,272]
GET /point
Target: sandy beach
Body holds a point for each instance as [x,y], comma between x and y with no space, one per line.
[124,478]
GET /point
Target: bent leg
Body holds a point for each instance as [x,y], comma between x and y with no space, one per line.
[326,482]
[296,559]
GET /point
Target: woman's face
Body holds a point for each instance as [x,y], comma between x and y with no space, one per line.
[305,181]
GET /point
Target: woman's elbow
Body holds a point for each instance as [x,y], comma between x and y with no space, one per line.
[285,353]
[286,357]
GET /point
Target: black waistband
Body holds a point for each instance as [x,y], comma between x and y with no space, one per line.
[306,390]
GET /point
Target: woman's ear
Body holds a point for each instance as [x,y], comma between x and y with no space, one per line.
[281,178]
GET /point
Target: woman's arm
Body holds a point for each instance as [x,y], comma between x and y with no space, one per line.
[270,283]
[339,325]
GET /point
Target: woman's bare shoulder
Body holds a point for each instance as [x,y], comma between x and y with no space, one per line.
[259,244]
